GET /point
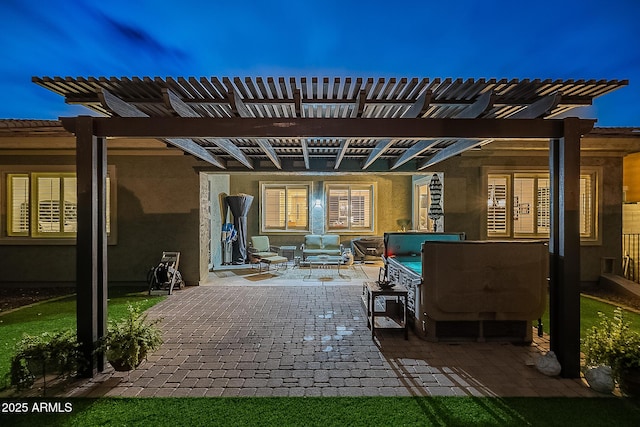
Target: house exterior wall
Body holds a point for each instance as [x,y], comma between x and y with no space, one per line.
[392,202]
[465,202]
[157,210]
[631,178]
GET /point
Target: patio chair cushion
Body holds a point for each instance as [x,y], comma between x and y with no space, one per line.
[313,241]
[321,244]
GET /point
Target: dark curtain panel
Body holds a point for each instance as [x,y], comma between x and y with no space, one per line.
[239,206]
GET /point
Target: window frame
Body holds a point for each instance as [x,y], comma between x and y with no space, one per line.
[595,174]
[371,187]
[33,236]
[264,186]
[35,204]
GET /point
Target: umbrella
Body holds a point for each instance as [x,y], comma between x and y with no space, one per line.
[239,206]
[435,209]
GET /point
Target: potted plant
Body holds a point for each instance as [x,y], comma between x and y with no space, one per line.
[47,353]
[129,341]
[612,343]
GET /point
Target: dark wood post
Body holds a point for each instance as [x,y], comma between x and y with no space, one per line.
[564,248]
[91,259]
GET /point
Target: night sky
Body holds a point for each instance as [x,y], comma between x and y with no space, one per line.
[586,39]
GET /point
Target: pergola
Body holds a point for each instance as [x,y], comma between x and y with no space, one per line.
[321,125]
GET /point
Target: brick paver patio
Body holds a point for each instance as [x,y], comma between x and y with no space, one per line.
[239,339]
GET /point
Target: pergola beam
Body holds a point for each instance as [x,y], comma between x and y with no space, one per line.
[344,145]
[205,127]
[305,153]
[471,112]
[415,150]
[174,102]
[361,100]
[378,151]
[538,108]
[417,109]
[454,149]
[126,110]
[238,106]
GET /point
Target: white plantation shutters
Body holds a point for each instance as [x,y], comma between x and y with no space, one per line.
[18,204]
[274,208]
[497,206]
[349,207]
[45,205]
[587,205]
[285,207]
[519,205]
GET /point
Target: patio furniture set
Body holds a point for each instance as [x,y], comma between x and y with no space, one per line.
[318,250]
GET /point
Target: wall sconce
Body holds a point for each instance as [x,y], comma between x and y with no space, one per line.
[318,203]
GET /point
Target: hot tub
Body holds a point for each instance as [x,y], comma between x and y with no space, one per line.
[485,290]
[403,261]
[462,290]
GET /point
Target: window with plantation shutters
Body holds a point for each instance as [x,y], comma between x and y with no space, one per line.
[44,205]
[55,206]
[285,207]
[18,204]
[587,205]
[497,206]
[349,207]
[519,205]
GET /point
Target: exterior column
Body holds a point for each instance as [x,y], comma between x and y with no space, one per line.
[91,242]
[564,249]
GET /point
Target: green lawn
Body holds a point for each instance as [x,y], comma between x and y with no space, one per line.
[364,411]
[589,309]
[56,315]
[337,411]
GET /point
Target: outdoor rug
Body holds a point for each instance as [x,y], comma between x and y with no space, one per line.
[304,274]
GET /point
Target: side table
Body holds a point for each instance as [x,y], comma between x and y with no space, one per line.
[385,319]
[288,251]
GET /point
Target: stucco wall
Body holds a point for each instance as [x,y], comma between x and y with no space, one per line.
[157,210]
[465,202]
[392,200]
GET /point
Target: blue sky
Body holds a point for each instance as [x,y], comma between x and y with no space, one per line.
[585,39]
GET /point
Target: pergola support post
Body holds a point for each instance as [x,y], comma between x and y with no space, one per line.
[91,243]
[564,249]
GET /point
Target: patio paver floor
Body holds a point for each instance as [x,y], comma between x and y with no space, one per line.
[238,339]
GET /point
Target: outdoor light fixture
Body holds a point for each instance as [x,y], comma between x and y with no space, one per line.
[318,203]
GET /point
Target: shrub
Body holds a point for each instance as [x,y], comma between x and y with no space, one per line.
[129,340]
[613,343]
[38,355]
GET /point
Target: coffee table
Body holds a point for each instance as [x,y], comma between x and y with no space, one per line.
[288,251]
[320,261]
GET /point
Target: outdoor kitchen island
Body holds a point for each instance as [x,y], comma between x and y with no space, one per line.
[469,290]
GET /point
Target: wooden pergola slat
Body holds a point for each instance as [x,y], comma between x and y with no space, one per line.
[471,112]
[416,109]
[183,110]
[243,111]
[124,109]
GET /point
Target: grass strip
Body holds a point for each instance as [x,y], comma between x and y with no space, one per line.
[56,315]
[338,411]
[589,308]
